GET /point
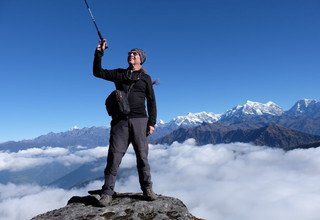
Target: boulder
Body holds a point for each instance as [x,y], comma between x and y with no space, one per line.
[123,206]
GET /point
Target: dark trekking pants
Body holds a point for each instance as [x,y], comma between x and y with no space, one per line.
[124,132]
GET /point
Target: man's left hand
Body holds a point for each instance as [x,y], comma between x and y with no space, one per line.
[150,129]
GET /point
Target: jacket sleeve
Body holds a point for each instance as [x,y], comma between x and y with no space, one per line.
[151,104]
[115,75]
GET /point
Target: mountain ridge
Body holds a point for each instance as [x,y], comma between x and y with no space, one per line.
[271,135]
[303,116]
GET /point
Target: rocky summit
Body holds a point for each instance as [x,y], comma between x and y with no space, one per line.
[123,206]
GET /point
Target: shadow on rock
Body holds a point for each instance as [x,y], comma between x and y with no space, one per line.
[86,200]
[93,198]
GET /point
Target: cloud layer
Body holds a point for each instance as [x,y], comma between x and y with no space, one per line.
[221,182]
[241,181]
[40,156]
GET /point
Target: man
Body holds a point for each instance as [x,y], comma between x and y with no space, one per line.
[132,128]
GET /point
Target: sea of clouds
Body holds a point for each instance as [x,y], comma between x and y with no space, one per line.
[221,182]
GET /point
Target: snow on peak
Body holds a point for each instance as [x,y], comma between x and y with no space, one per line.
[196,118]
[255,108]
[308,102]
[74,128]
[302,105]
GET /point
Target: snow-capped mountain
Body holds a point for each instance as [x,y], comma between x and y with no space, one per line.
[190,120]
[253,109]
[307,107]
[187,121]
[194,119]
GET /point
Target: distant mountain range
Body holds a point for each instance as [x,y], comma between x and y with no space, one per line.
[271,135]
[87,137]
[258,123]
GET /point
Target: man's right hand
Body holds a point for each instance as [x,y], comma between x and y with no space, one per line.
[102,46]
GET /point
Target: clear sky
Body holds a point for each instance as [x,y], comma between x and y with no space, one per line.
[209,56]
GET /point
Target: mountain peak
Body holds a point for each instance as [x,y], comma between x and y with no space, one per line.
[306,102]
[309,107]
[252,103]
[260,108]
[253,108]
[192,119]
[74,128]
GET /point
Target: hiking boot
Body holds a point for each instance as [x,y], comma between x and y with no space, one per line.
[97,196]
[105,199]
[149,195]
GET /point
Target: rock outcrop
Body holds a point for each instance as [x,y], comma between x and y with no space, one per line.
[123,206]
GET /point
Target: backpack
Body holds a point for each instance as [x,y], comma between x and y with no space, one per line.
[117,103]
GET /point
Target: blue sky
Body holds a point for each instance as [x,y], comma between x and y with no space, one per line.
[209,56]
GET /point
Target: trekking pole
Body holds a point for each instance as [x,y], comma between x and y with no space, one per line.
[94,22]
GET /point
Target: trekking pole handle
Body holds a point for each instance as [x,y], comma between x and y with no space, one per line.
[102,40]
[100,36]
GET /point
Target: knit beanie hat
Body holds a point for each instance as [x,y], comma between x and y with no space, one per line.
[141,53]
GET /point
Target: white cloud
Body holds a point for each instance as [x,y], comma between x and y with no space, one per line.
[47,151]
[221,182]
[26,201]
[237,181]
[16,162]
[29,158]
[93,152]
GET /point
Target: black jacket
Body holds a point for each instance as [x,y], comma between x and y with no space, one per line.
[141,90]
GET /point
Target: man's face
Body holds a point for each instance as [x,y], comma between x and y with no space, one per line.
[133,57]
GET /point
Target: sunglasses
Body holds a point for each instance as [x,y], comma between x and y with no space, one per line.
[133,52]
